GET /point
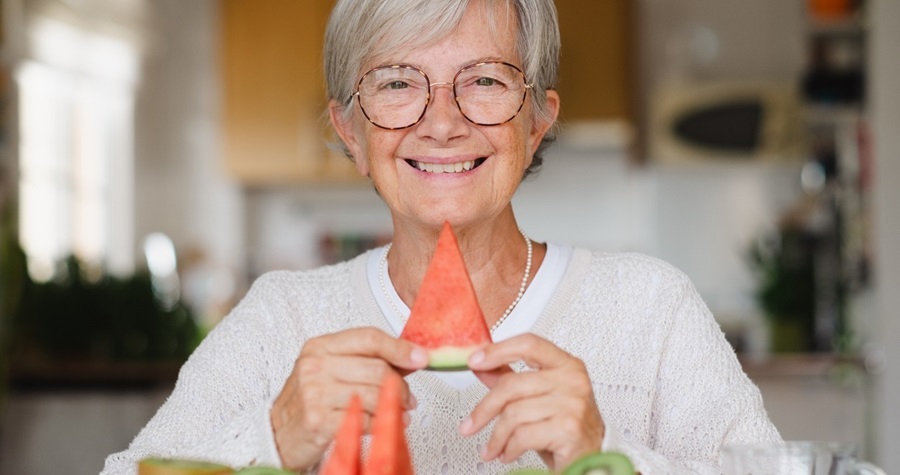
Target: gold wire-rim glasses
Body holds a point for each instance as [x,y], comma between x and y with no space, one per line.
[429,95]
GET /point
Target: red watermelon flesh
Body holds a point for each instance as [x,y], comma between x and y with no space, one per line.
[389,453]
[344,458]
[445,318]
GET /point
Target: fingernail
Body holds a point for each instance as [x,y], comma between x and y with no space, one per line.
[413,402]
[476,358]
[483,452]
[406,419]
[466,426]
[419,357]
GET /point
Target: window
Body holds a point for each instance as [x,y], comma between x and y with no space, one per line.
[76,102]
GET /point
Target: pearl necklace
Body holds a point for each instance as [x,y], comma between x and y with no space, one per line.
[381,272]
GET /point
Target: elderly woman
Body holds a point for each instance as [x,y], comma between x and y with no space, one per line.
[446,106]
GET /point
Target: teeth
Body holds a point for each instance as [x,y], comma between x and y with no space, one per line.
[446,168]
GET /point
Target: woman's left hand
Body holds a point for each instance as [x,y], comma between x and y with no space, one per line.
[551,410]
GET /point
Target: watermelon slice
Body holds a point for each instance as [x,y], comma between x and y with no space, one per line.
[446,319]
[344,458]
[389,454]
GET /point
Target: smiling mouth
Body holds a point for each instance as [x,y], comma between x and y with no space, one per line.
[457,167]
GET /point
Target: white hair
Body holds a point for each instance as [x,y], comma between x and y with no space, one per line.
[362,32]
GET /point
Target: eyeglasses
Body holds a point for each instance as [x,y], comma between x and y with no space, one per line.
[396,97]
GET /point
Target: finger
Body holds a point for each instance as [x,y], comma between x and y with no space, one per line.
[535,351]
[510,387]
[324,426]
[565,435]
[370,342]
[313,368]
[533,436]
[552,437]
[368,391]
[490,378]
[329,382]
[356,369]
[339,396]
[516,414]
[368,415]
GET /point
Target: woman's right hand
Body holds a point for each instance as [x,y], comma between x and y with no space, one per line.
[329,370]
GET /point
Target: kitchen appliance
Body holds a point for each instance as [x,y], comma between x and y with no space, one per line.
[725,121]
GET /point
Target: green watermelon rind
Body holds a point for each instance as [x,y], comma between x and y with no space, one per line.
[450,358]
[601,463]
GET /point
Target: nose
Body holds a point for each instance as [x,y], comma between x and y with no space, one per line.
[443,120]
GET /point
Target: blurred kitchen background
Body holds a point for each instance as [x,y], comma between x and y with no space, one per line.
[158,155]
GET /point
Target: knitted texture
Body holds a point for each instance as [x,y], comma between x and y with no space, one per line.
[669,386]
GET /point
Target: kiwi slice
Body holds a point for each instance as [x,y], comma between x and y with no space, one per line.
[601,463]
[165,466]
[261,470]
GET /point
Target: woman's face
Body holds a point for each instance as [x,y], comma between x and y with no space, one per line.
[394,158]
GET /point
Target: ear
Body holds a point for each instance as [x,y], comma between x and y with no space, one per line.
[541,125]
[347,132]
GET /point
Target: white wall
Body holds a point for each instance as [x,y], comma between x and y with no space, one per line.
[885,105]
[181,188]
[702,218]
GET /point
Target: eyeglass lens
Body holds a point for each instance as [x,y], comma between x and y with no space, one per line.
[395,97]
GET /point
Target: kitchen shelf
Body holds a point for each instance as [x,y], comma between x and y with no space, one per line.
[92,375]
[800,365]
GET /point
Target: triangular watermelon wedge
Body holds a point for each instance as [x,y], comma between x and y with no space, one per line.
[389,453]
[446,319]
[344,458]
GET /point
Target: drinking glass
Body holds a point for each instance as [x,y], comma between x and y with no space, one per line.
[796,458]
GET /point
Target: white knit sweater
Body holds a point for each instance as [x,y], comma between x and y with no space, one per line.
[669,386]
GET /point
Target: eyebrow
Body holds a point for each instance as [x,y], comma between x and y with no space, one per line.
[482,59]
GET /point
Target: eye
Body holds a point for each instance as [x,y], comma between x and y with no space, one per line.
[486,81]
[395,85]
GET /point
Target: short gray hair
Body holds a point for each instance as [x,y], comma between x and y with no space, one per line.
[363,31]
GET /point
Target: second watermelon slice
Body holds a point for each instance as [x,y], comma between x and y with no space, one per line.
[389,453]
[445,318]
[344,458]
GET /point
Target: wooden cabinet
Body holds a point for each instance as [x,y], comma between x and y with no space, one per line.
[273,87]
[273,93]
[596,77]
